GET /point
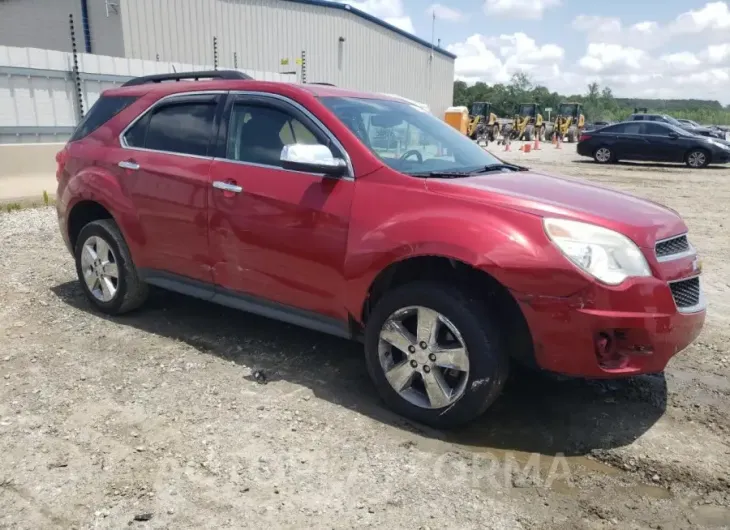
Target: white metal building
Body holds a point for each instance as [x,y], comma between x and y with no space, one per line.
[340,44]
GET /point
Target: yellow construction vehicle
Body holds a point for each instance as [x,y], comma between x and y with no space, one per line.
[483,123]
[569,122]
[527,123]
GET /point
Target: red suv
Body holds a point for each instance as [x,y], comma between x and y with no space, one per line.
[366,217]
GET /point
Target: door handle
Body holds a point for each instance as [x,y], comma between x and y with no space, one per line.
[129,164]
[227,186]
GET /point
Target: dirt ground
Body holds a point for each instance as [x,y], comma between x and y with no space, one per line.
[155,420]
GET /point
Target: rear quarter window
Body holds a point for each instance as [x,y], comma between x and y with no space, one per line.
[105,108]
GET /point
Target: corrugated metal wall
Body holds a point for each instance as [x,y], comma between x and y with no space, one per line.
[263,32]
[44,24]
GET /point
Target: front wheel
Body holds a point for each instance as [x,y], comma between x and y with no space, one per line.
[603,155]
[697,158]
[435,354]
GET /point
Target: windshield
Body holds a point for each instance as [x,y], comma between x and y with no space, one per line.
[478,109]
[567,110]
[406,138]
[673,121]
[527,110]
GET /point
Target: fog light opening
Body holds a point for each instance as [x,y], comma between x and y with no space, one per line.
[608,357]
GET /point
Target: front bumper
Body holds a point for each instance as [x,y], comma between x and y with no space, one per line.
[607,332]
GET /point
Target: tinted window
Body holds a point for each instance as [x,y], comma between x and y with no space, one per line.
[105,108]
[624,128]
[257,134]
[655,129]
[185,128]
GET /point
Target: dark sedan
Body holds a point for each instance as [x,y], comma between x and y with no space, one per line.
[652,141]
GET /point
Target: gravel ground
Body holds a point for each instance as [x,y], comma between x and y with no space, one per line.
[156,420]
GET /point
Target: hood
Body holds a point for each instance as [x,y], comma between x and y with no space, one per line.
[546,195]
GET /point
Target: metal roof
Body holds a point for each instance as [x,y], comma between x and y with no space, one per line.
[374,20]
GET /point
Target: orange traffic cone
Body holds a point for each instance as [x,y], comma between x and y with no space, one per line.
[536,147]
[526,148]
[557,145]
[507,145]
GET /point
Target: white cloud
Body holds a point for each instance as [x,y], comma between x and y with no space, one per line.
[391,11]
[717,54]
[524,9]
[715,16]
[711,22]
[443,12]
[495,59]
[681,60]
[604,57]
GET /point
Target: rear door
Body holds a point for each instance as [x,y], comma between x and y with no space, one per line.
[164,167]
[630,144]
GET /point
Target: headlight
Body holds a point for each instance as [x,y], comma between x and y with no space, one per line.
[604,254]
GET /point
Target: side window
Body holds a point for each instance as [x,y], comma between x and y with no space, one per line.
[105,108]
[655,129]
[185,127]
[632,128]
[258,133]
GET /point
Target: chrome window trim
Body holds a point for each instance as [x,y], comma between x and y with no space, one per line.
[701,304]
[278,168]
[350,169]
[123,142]
[672,257]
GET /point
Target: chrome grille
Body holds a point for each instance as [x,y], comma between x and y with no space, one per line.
[670,247]
[686,293]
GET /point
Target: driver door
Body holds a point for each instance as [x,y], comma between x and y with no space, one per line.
[277,235]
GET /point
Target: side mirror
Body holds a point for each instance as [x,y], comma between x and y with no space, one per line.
[312,158]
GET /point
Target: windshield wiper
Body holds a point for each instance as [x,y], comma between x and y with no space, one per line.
[476,171]
[499,167]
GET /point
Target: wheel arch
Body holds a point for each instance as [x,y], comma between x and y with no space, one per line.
[82,213]
[447,269]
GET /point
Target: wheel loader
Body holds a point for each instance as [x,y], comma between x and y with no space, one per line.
[569,122]
[527,124]
[483,122]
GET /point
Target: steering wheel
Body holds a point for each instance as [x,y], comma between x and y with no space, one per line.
[405,155]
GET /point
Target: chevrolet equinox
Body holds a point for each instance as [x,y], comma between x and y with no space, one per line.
[366,217]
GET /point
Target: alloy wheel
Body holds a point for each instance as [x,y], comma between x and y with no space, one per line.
[696,159]
[603,154]
[100,270]
[424,357]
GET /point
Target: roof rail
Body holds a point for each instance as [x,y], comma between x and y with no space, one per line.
[179,76]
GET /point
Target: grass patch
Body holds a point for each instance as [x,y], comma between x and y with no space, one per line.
[45,201]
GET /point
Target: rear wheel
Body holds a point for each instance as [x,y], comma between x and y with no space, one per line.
[603,155]
[105,269]
[529,131]
[697,158]
[435,354]
[571,136]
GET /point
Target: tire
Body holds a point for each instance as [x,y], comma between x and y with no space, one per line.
[476,389]
[603,155]
[527,135]
[697,158]
[571,136]
[494,134]
[129,291]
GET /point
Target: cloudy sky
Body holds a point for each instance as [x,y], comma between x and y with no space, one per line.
[649,48]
